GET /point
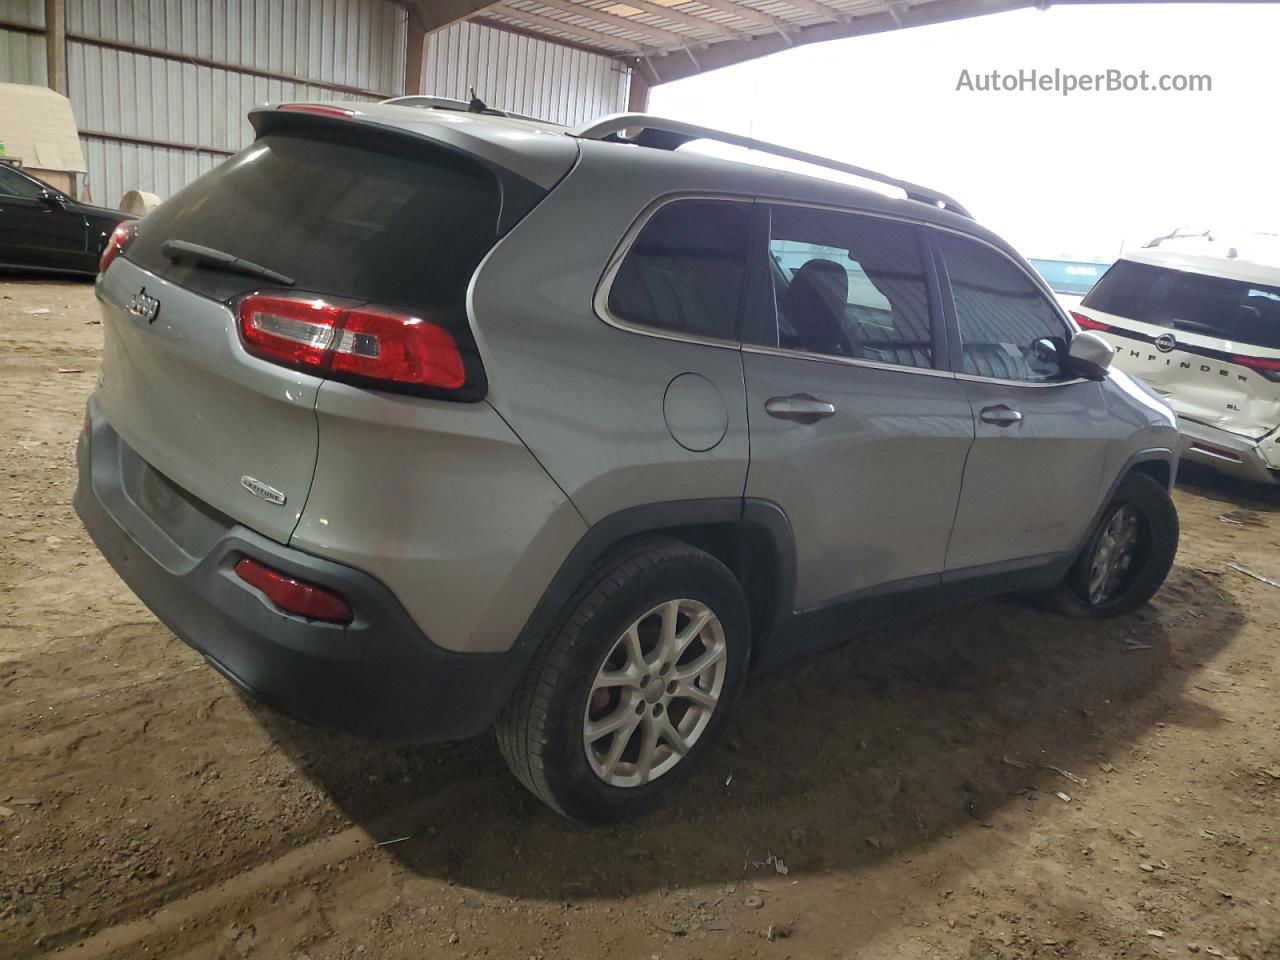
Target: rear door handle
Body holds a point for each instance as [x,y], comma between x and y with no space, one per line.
[1000,415]
[799,407]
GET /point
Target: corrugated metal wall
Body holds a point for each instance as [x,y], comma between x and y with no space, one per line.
[524,75]
[352,42]
[189,98]
[22,55]
[160,88]
[22,58]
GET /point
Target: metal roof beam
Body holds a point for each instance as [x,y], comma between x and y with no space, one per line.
[676,66]
[516,30]
[435,15]
[742,12]
[813,8]
[587,34]
[615,20]
[672,15]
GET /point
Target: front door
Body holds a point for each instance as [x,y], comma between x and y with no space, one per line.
[856,432]
[1034,475]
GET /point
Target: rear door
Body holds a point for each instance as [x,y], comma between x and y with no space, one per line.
[397,222]
[1034,475]
[857,430]
[1210,345]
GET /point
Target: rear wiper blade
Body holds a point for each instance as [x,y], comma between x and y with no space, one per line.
[177,250]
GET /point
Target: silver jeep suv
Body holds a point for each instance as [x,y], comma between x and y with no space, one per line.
[417,422]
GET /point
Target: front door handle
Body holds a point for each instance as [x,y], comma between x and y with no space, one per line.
[1000,415]
[799,407]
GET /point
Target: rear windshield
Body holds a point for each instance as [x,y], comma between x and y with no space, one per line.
[402,223]
[1237,310]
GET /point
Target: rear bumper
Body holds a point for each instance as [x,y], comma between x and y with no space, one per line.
[1227,453]
[378,677]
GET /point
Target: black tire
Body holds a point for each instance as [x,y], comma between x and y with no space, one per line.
[540,732]
[1157,545]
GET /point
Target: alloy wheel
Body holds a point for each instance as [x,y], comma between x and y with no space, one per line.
[654,694]
[1116,556]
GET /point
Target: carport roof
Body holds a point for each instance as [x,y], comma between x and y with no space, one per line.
[670,39]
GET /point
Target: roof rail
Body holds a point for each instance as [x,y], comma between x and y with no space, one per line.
[669,134]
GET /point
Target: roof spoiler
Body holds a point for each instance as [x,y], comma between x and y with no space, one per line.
[442,103]
[666,134]
[424,102]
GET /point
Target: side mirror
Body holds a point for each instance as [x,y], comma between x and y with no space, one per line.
[54,201]
[1089,355]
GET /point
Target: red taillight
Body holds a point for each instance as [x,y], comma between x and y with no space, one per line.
[1088,323]
[1217,452]
[317,108]
[294,596]
[1269,367]
[387,346]
[116,243]
[360,342]
[297,333]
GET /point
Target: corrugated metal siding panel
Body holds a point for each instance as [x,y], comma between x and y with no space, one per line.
[22,58]
[30,13]
[127,166]
[352,42]
[524,75]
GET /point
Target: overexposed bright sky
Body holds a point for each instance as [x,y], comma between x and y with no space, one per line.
[1081,175]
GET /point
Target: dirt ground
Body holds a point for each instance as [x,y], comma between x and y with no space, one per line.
[994,782]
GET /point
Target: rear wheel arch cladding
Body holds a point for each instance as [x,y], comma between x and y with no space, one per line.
[765,519]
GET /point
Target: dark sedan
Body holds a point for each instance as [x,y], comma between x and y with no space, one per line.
[41,228]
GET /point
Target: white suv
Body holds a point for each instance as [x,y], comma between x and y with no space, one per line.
[1204,332]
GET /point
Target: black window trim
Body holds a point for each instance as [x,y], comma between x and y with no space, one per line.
[956,356]
[938,326]
[948,361]
[601,299]
[46,190]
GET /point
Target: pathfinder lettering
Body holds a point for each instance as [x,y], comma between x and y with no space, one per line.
[1186,365]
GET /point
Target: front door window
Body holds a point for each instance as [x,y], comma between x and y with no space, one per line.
[1008,328]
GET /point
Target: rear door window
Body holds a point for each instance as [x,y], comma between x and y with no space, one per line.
[1236,310]
[848,285]
[686,269]
[395,221]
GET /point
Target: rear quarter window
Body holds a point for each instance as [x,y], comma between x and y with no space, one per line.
[685,271]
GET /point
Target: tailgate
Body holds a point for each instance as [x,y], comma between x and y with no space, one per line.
[1209,343]
[1199,379]
[181,391]
[313,210]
